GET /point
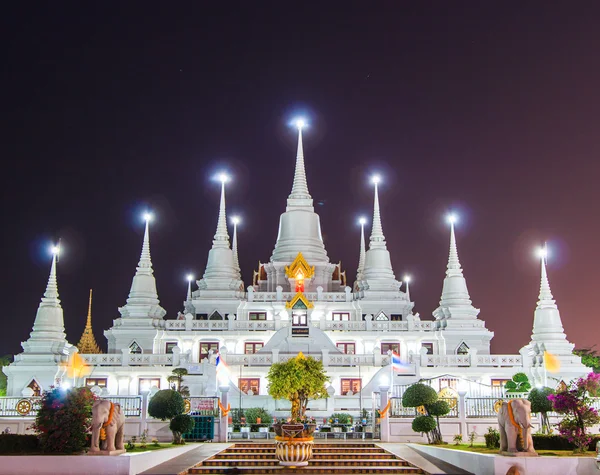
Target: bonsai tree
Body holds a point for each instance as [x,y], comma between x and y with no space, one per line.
[518,384]
[252,415]
[542,405]
[179,425]
[298,380]
[176,381]
[64,419]
[418,395]
[165,405]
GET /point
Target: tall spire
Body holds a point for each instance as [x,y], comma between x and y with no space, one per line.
[221,238]
[189,289]
[87,343]
[456,301]
[300,196]
[377,237]
[234,246]
[48,333]
[545,299]
[407,282]
[143,298]
[361,257]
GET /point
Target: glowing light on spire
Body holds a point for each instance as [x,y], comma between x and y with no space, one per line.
[235,220]
[376,179]
[223,177]
[452,218]
[542,252]
[55,250]
[189,277]
[300,123]
[148,216]
[362,220]
[407,279]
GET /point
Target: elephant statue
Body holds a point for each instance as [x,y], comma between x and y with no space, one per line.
[108,425]
[514,419]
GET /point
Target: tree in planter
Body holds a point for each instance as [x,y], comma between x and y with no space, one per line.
[64,419]
[420,394]
[299,379]
[574,402]
[165,405]
[252,415]
[542,405]
[176,381]
[518,384]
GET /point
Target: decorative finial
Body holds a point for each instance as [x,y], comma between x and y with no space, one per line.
[545,299]
[377,237]
[87,343]
[454,267]
[300,185]
[361,257]
[221,238]
[235,220]
[407,280]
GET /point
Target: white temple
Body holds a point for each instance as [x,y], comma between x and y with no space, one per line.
[298,301]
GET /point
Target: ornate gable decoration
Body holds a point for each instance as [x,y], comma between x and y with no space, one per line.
[301,265]
[298,301]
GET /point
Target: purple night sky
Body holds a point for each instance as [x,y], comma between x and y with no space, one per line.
[490,109]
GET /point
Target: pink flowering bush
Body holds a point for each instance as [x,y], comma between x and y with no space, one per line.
[574,403]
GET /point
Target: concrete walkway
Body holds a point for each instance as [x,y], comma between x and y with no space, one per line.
[430,464]
[180,465]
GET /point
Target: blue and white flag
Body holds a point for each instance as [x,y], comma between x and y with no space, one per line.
[398,365]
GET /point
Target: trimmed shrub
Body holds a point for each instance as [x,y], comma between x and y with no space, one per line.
[439,408]
[19,444]
[518,384]
[419,394]
[166,404]
[424,424]
[558,442]
[492,438]
[181,424]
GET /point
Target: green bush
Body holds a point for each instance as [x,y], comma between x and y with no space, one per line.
[181,424]
[63,420]
[19,444]
[518,384]
[423,424]
[542,405]
[558,442]
[419,394]
[253,413]
[236,417]
[166,404]
[492,438]
[439,408]
[342,417]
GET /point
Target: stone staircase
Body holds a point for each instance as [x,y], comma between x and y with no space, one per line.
[328,458]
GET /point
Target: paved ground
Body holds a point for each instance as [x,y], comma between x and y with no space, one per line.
[430,464]
[180,465]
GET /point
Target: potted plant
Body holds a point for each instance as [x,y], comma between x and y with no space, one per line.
[297,380]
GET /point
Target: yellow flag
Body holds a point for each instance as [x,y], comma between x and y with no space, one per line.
[77,366]
[551,363]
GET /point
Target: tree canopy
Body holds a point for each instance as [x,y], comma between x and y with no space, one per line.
[166,404]
[298,380]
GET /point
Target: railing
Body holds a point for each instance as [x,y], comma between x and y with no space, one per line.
[109,359]
[8,406]
[255,325]
[480,406]
[132,359]
[499,360]
[345,325]
[204,406]
[215,325]
[17,406]
[131,406]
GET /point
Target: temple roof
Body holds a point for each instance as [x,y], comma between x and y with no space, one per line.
[87,343]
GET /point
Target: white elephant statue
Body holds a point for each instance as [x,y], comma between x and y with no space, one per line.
[108,424]
[514,419]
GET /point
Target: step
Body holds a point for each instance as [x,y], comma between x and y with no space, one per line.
[319,455]
[279,469]
[313,462]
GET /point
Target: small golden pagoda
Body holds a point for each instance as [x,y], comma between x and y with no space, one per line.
[87,344]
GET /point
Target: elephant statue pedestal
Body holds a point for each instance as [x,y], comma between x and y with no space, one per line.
[108,425]
[514,421]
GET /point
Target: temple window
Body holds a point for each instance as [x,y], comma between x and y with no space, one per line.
[206,347]
[347,348]
[396,317]
[252,347]
[146,384]
[428,347]
[35,387]
[202,316]
[135,349]
[448,383]
[381,316]
[258,315]
[340,316]
[216,316]
[100,382]
[463,349]
[247,384]
[169,347]
[350,384]
[385,347]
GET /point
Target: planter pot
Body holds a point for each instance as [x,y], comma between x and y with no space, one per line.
[294,444]
[245,429]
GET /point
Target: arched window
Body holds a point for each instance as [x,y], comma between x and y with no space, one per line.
[135,349]
[381,316]
[216,316]
[463,349]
